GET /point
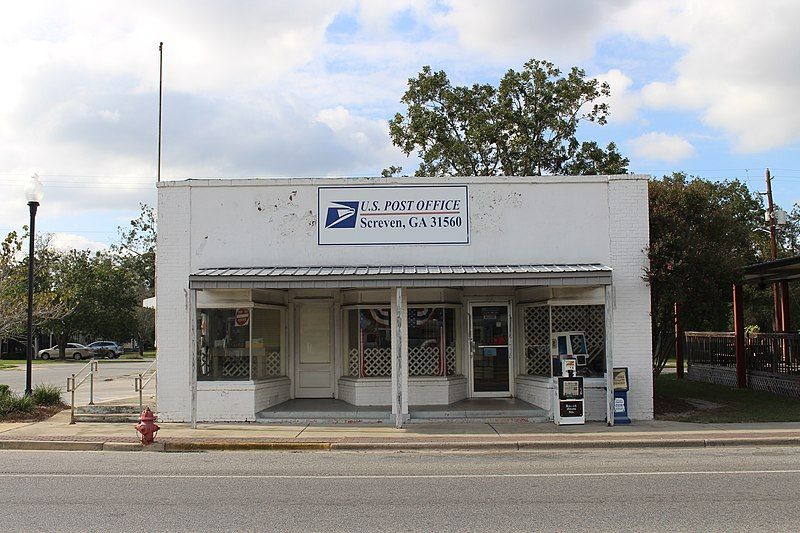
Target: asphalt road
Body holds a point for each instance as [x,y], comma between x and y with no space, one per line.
[114,379]
[723,489]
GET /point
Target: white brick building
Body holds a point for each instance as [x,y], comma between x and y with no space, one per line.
[395,293]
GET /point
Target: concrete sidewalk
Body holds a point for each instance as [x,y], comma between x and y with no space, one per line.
[57,433]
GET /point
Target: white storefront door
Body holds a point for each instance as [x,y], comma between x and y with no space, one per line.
[314,371]
[491,354]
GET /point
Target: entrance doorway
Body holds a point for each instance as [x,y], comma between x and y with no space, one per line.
[314,371]
[491,349]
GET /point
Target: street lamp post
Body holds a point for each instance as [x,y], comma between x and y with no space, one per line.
[33,193]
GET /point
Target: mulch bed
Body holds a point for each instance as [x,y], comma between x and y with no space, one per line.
[42,412]
[666,406]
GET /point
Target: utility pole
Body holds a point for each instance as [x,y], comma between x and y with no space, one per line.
[160,85]
[779,294]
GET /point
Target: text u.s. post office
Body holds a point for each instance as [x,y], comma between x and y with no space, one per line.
[400,299]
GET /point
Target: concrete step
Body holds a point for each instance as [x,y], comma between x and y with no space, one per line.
[107,417]
[443,413]
[478,420]
[106,409]
[349,416]
[326,420]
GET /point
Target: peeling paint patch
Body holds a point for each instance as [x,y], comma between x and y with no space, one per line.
[202,246]
[311,222]
[491,218]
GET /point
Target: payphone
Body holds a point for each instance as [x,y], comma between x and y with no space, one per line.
[568,409]
[569,345]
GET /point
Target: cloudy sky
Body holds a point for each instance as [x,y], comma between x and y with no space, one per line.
[305,88]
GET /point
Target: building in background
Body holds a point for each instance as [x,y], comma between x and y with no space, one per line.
[396,293]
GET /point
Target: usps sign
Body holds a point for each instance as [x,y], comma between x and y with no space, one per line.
[393,214]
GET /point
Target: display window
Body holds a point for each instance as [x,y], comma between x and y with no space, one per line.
[431,341]
[240,344]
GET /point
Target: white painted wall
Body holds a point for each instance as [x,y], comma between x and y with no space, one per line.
[272,222]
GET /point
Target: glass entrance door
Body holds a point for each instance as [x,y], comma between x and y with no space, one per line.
[490,350]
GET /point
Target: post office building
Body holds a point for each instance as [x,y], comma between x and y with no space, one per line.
[398,299]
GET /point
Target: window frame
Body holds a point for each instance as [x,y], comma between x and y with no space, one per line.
[252,306]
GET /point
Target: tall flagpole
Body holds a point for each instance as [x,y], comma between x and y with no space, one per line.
[160,86]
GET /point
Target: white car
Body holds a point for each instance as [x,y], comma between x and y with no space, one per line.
[73,350]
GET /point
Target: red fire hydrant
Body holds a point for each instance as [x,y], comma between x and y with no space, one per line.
[147,426]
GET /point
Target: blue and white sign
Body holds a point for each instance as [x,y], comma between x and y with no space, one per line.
[393,214]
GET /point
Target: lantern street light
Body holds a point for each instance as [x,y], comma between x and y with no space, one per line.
[33,193]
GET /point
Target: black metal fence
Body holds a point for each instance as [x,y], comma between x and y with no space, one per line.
[775,353]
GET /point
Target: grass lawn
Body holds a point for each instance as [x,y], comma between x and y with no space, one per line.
[691,401]
[9,362]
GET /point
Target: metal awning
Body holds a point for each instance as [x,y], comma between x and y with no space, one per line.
[326,277]
[779,270]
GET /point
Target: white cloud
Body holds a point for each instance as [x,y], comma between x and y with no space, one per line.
[736,66]
[737,69]
[623,103]
[78,101]
[657,146]
[537,28]
[69,241]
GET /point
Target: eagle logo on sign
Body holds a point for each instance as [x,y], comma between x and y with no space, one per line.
[342,215]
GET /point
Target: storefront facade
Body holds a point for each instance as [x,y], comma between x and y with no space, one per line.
[395,293]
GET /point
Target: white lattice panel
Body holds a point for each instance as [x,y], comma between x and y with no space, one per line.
[352,363]
[418,362]
[587,318]
[423,361]
[377,362]
[536,328]
[268,365]
[450,360]
[236,367]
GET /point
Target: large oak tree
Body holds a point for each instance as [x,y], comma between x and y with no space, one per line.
[525,126]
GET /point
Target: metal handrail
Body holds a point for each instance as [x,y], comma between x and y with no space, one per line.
[72,386]
[139,385]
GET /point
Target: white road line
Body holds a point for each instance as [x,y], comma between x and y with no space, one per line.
[403,476]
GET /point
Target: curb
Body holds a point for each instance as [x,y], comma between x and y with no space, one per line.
[51,445]
[199,446]
[465,446]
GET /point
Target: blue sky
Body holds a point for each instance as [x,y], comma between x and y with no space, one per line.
[305,88]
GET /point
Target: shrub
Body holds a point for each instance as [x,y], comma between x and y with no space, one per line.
[46,394]
[12,403]
[5,390]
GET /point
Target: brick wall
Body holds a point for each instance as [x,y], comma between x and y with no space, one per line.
[172,318]
[628,239]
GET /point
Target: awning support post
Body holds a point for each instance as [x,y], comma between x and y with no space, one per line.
[399,313]
[679,341]
[738,333]
[193,353]
[609,312]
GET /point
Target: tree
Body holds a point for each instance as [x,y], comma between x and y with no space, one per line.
[592,160]
[391,172]
[136,253]
[702,234]
[136,248]
[14,287]
[103,297]
[525,126]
